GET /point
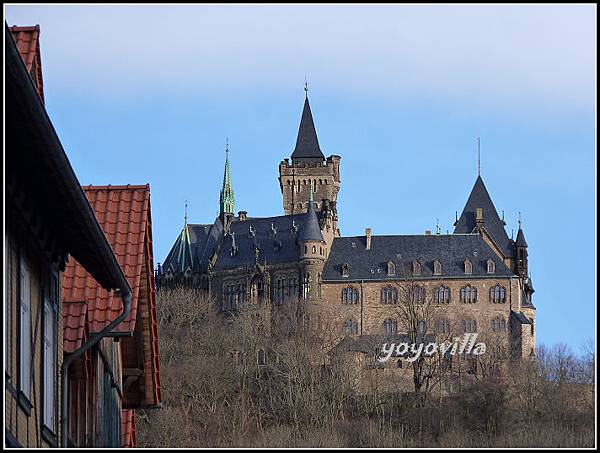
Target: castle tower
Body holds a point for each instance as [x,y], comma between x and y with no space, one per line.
[310,170]
[226,199]
[312,253]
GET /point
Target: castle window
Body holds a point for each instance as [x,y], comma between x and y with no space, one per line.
[442,326]
[399,363]
[442,295]
[468,294]
[389,295]
[391,268]
[314,249]
[417,295]
[468,267]
[306,286]
[498,294]
[279,292]
[469,326]
[241,293]
[437,268]
[321,250]
[345,270]
[350,327]
[261,357]
[491,267]
[416,268]
[498,325]
[305,249]
[350,295]
[390,326]
[293,288]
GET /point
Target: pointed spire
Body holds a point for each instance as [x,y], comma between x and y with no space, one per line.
[310,230]
[227,199]
[185,214]
[478,157]
[307,144]
[520,242]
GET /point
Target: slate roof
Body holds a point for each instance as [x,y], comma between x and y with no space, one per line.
[480,198]
[520,317]
[275,236]
[307,143]
[311,231]
[27,40]
[521,242]
[450,250]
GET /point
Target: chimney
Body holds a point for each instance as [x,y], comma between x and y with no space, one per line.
[242,215]
[368,235]
[427,232]
[479,217]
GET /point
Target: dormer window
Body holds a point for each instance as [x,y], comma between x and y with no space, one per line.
[416,268]
[391,268]
[437,268]
[491,267]
[345,270]
[468,267]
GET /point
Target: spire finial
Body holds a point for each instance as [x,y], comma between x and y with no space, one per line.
[478,157]
[519,220]
[185,214]
[305,86]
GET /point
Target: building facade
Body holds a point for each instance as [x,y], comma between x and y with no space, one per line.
[476,279]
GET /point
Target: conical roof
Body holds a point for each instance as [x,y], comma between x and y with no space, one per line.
[310,231]
[307,143]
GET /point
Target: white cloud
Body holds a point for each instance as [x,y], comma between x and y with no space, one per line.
[483,52]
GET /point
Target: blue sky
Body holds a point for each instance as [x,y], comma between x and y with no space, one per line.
[149,94]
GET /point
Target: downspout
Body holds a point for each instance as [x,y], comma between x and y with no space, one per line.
[125,292]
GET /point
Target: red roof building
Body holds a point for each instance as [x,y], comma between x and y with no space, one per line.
[28,44]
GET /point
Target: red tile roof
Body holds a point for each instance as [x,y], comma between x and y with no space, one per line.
[28,43]
[74,317]
[128,428]
[124,214]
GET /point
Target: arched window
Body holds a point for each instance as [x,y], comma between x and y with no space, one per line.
[314,249]
[390,326]
[442,295]
[468,294]
[498,294]
[421,326]
[491,266]
[350,327]
[437,268]
[468,267]
[498,325]
[389,295]
[417,294]
[306,286]
[416,268]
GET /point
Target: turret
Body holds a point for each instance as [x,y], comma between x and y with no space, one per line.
[521,265]
[312,253]
[227,199]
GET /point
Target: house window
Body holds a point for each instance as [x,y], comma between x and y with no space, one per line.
[442,295]
[350,327]
[491,267]
[469,326]
[437,268]
[416,268]
[498,294]
[390,326]
[418,295]
[350,295]
[25,329]
[389,295]
[498,325]
[468,294]
[468,267]
[49,352]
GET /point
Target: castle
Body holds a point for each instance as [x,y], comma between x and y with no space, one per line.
[477,277]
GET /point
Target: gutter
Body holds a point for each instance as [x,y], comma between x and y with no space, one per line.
[125,292]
